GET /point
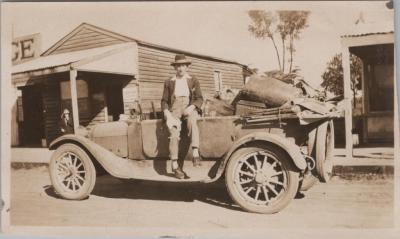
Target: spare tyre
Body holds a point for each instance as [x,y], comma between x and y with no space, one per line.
[325,144]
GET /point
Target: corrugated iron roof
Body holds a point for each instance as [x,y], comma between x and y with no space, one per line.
[188,53]
[169,48]
[367,34]
[367,29]
[62,59]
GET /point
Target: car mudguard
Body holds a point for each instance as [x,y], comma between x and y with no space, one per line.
[114,165]
[289,147]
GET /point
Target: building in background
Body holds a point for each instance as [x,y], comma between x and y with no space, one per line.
[375,121]
[98,74]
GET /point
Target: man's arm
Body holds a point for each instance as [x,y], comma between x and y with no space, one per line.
[170,120]
[197,96]
[165,97]
[61,125]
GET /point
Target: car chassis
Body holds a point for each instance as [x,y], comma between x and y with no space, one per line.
[265,158]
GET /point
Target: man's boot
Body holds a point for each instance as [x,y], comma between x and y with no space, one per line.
[177,170]
[179,174]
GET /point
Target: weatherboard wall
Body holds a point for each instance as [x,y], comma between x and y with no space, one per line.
[155,67]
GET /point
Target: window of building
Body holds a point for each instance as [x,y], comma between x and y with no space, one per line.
[81,88]
[218,81]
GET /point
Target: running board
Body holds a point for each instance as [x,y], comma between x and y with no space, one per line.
[161,170]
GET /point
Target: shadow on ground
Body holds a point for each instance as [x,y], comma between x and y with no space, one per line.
[110,187]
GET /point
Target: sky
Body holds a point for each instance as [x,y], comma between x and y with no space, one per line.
[218,29]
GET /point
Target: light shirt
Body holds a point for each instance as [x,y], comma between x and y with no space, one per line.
[181,86]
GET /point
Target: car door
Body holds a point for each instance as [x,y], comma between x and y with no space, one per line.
[217,135]
[155,138]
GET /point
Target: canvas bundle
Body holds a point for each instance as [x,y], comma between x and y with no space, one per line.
[272,92]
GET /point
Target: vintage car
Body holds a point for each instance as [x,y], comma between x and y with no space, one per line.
[264,158]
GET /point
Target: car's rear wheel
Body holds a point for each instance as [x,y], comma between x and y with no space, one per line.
[261,179]
[72,172]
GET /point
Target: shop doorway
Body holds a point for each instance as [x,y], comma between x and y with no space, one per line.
[115,104]
[33,124]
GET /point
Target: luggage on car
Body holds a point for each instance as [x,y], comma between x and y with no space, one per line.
[268,90]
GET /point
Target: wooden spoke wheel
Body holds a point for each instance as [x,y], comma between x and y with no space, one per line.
[261,180]
[72,172]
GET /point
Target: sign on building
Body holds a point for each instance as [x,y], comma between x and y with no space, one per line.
[25,48]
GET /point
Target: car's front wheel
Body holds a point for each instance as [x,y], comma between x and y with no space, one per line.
[261,179]
[72,172]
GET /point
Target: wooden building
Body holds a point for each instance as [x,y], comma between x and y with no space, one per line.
[98,74]
[376,50]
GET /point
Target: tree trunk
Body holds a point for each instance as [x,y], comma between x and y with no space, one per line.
[291,53]
[277,53]
[283,55]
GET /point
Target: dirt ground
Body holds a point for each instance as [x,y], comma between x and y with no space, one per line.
[358,202]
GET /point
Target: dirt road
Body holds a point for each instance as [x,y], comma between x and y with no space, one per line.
[359,203]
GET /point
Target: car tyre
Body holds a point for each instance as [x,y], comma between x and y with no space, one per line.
[325,145]
[267,186]
[72,172]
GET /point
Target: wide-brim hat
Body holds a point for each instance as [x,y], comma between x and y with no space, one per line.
[180,59]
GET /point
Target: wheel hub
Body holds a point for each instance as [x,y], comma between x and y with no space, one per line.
[71,169]
[261,178]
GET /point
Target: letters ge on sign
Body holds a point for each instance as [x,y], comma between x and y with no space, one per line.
[25,48]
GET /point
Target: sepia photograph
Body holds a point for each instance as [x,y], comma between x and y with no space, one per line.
[185,119]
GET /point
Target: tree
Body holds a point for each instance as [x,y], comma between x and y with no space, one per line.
[291,24]
[288,24]
[333,75]
[263,27]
